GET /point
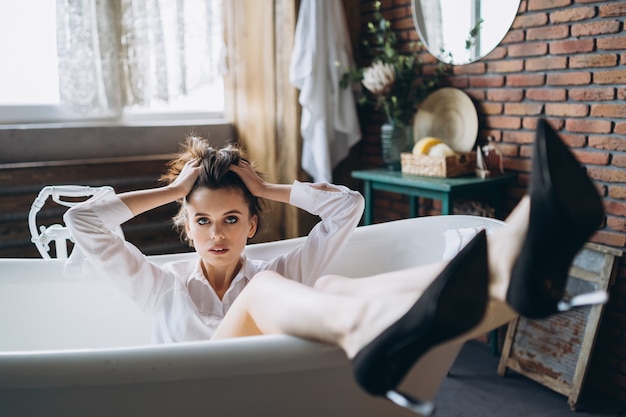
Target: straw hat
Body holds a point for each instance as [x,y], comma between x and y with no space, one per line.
[450,115]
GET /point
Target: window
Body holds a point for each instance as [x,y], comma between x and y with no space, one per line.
[122,60]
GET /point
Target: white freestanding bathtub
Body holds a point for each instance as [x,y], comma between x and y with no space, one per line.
[76,346]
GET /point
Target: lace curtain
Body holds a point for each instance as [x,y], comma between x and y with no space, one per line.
[119,54]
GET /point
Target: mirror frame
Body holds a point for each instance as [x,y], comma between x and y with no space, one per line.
[472,41]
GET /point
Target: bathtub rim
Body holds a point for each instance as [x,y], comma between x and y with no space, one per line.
[213,359]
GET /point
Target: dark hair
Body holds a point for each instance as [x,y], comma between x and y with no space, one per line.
[215,175]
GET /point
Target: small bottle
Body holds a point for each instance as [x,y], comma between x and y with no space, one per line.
[492,157]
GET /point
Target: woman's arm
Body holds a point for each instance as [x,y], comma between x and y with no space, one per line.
[141,201]
[263,189]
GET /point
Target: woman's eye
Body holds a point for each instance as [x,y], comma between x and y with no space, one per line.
[202,221]
[231,219]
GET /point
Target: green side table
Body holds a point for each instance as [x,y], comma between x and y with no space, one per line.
[444,189]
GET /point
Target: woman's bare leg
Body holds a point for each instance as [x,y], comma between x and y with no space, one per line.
[272,304]
[503,245]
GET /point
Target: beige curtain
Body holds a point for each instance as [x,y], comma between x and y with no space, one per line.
[262,104]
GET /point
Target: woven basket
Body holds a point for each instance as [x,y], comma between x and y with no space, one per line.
[462,163]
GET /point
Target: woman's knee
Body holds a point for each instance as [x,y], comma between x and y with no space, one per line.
[330,283]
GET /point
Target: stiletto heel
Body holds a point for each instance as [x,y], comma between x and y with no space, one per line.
[453,304]
[565,210]
[410,403]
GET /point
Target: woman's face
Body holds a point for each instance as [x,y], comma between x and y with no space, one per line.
[219,224]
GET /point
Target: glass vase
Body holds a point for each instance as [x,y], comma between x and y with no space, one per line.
[395,139]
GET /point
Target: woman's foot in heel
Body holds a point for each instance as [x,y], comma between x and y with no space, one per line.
[452,305]
[565,210]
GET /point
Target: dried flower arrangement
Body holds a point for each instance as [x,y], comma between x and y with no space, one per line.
[394,81]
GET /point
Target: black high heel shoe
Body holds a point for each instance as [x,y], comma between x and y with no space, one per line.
[565,210]
[453,304]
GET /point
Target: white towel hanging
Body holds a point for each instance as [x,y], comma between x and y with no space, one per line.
[322,53]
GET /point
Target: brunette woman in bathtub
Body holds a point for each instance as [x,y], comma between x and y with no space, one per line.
[385,323]
[220,196]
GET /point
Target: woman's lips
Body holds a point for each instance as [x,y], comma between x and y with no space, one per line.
[218,251]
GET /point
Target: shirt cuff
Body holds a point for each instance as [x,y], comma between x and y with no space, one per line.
[306,197]
[110,208]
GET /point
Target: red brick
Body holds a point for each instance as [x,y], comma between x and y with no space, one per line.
[616,223]
[618,192]
[547,4]
[526,151]
[593,158]
[549,32]
[508,149]
[547,63]
[620,128]
[572,14]
[610,239]
[621,93]
[613,9]
[596,28]
[491,108]
[588,126]
[610,77]
[503,122]
[523,109]
[498,67]
[611,43]
[591,94]
[571,46]
[498,53]
[401,24]
[525,80]
[565,109]
[609,143]
[487,81]
[459,82]
[515,164]
[514,36]
[531,123]
[528,49]
[475,68]
[546,94]
[569,78]
[614,111]
[609,175]
[478,95]
[519,137]
[619,160]
[593,60]
[505,94]
[574,141]
[530,20]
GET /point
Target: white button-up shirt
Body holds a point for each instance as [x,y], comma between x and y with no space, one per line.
[177,295]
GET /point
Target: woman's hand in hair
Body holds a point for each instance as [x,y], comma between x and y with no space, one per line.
[250,178]
[187,178]
[258,186]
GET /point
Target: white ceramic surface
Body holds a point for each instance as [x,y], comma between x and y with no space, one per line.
[76,346]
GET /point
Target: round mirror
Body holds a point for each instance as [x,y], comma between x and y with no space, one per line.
[462,31]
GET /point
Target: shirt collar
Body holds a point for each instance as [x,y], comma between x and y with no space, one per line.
[246,272]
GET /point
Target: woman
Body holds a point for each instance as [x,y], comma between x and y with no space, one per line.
[220,210]
[387,322]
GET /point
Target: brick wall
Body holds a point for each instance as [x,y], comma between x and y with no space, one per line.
[562,59]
